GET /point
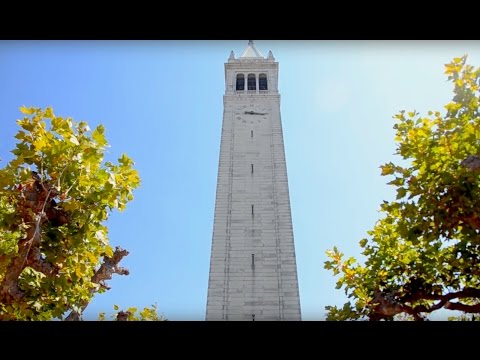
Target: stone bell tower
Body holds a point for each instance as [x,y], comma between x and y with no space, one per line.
[253,272]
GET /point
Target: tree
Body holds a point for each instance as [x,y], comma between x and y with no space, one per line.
[423,255]
[147,314]
[55,196]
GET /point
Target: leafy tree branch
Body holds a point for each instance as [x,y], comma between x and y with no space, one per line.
[55,195]
[423,255]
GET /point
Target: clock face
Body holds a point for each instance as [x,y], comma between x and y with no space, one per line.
[251,113]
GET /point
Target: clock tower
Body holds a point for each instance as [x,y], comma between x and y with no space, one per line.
[253,272]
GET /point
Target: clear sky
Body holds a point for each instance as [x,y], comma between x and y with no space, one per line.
[161,103]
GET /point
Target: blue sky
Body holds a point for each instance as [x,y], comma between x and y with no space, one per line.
[161,103]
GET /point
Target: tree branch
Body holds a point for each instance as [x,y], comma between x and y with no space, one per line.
[105,272]
[386,306]
[123,316]
[36,261]
[9,286]
[34,198]
[462,294]
[471,162]
[462,307]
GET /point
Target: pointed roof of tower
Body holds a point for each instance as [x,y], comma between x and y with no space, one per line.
[251,51]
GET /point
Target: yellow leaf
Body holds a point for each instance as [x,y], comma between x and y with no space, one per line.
[108,251]
[382,273]
[99,135]
[92,257]
[387,169]
[48,113]
[40,144]
[27,111]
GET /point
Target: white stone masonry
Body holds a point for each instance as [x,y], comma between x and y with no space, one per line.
[253,273]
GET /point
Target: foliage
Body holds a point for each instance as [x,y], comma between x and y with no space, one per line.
[132,314]
[423,255]
[55,195]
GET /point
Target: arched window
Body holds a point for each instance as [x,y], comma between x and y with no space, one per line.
[252,85]
[262,82]
[240,82]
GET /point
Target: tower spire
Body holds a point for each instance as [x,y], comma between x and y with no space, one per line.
[251,52]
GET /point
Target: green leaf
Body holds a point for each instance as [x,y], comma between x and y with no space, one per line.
[20,135]
[125,160]
[73,236]
[401,192]
[426,245]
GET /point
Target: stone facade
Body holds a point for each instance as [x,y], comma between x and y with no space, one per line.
[253,273]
